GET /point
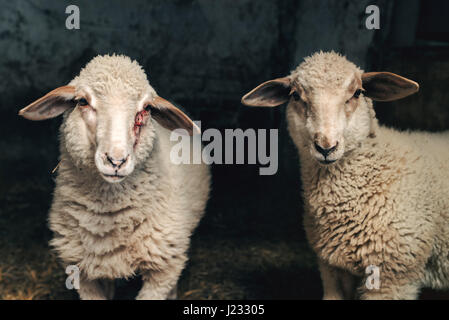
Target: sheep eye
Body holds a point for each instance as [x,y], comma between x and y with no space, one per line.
[357,93]
[82,102]
[296,96]
[147,107]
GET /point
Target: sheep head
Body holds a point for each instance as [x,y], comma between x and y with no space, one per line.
[329,102]
[109,120]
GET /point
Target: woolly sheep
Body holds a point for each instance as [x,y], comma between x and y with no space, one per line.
[120,206]
[373,196]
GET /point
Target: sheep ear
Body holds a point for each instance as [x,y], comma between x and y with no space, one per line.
[170,117]
[51,105]
[387,86]
[269,94]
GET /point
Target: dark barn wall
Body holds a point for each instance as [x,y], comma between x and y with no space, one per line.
[418,48]
[203,55]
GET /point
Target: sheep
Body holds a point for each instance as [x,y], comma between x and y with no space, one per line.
[120,206]
[374,198]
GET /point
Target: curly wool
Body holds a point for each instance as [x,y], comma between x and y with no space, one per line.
[324,70]
[141,225]
[104,74]
[384,203]
[117,230]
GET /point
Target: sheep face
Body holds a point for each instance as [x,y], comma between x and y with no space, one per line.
[109,123]
[329,103]
[115,129]
[330,120]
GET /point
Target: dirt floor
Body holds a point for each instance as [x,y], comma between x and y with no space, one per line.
[250,245]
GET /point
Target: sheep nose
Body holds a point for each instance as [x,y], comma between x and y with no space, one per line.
[325,151]
[116,163]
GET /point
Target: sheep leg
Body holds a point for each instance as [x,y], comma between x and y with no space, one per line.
[109,288]
[173,294]
[159,285]
[99,289]
[348,284]
[331,287]
[337,284]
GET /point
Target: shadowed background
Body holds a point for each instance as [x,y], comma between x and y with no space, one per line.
[203,55]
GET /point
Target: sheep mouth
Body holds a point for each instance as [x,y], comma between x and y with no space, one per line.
[327,162]
[113,177]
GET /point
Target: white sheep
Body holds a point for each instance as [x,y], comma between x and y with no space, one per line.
[373,196]
[120,206]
